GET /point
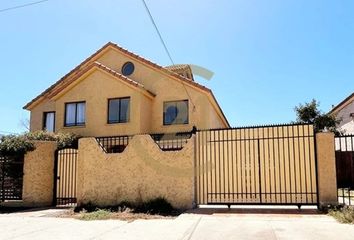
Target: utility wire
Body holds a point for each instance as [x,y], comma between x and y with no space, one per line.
[22,6]
[164,45]
[158,31]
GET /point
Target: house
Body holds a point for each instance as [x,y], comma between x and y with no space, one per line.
[116,92]
[344,112]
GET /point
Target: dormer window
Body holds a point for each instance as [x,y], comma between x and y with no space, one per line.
[128,68]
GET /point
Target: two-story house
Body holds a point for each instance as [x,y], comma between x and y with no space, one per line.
[116,92]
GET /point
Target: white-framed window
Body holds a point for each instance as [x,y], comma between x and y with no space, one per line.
[49,121]
[75,114]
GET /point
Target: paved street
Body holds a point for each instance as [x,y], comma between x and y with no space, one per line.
[201,225]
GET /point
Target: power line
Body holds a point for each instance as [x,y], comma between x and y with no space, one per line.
[164,45]
[157,30]
[22,6]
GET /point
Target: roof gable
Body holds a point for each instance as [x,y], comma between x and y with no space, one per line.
[342,104]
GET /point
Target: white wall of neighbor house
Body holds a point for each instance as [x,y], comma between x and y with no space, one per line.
[346,115]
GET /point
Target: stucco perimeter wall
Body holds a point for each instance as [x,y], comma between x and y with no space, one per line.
[141,172]
[38,175]
[326,169]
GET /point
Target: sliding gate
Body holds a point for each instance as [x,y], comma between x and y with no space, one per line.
[259,165]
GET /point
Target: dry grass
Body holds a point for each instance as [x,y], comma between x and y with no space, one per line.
[104,214]
[343,215]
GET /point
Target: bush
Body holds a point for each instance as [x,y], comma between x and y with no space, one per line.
[63,139]
[15,145]
[157,206]
[21,144]
[343,215]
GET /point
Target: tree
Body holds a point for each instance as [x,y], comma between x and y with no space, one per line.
[310,113]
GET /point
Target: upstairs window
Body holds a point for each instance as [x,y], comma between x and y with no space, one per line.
[128,68]
[118,110]
[49,121]
[175,112]
[75,114]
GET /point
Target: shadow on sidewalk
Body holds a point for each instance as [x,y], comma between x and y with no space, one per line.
[254,210]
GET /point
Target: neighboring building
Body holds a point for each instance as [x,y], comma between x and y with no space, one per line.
[344,112]
[116,92]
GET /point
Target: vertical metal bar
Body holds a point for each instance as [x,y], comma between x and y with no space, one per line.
[196,169]
[232,167]
[236,164]
[254,150]
[310,160]
[294,161]
[269,172]
[213,144]
[228,164]
[279,170]
[306,173]
[299,159]
[316,167]
[274,167]
[289,163]
[249,161]
[259,169]
[223,161]
[244,162]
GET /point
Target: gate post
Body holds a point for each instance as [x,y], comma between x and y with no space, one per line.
[326,169]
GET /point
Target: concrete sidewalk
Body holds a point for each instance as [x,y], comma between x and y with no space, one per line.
[198,225]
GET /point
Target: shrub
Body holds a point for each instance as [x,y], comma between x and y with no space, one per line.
[63,139]
[21,144]
[158,206]
[15,145]
[344,214]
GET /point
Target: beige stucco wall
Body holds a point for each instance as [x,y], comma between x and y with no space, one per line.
[146,114]
[326,169]
[36,118]
[141,172]
[38,176]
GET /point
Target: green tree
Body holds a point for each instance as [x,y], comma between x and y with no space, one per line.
[310,113]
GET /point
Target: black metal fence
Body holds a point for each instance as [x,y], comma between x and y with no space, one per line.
[171,141]
[11,177]
[113,144]
[165,141]
[344,146]
[257,165]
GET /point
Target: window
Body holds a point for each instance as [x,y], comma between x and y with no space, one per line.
[175,112]
[49,121]
[118,110]
[75,114]
[128,68]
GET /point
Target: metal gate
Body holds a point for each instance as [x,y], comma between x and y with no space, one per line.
[11,177]
[259,165]
[344,146]
[65,173]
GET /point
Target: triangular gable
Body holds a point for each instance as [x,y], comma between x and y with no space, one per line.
[64,87]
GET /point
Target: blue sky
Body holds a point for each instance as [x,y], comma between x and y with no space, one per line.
[267,55]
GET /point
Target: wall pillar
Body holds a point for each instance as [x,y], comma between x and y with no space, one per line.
[38,178]
[326,169]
